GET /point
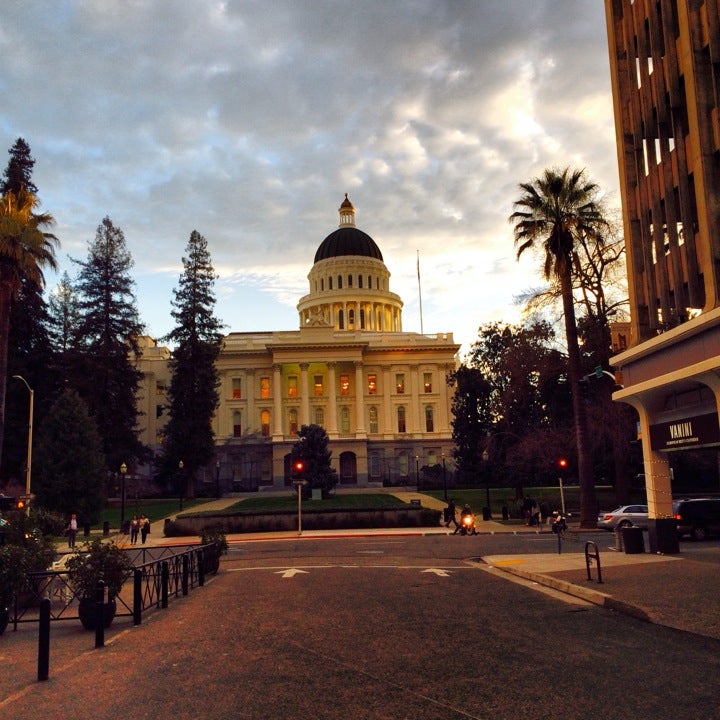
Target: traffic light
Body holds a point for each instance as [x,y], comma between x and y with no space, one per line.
[20,504]
[299,468]
[562,464]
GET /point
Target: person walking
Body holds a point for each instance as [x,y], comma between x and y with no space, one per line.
[72,529]
[144,527]
[134,529]
[450,512]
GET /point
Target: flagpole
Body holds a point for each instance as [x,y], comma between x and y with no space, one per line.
[420,292]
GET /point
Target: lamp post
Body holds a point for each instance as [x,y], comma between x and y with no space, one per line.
[123,472]
[417,472]
[181,465]
[217,478]
[28,463]
[485,458]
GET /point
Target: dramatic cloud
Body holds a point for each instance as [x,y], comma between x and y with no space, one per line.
[248,121]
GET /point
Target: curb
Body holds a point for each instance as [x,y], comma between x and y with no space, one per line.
[592,596]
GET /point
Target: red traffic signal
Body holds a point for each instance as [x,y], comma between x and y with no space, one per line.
[20,505]
[562,464]
[298,466]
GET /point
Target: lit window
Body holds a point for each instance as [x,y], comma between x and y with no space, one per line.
[160,389]
[293,417]
[318,385]
[237,424]
[401,419]
[265,423]
[372,384]
[264,387]
[236,388]
[400,383]
[427,382]
[292,386]
[344,384]
[373,419]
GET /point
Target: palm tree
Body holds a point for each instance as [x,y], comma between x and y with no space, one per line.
[24,251]
[557,211]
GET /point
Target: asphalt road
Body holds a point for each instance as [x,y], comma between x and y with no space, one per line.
[377,628]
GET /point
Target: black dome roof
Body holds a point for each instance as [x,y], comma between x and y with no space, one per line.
[348,241]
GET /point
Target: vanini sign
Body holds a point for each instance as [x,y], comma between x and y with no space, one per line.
[692,432]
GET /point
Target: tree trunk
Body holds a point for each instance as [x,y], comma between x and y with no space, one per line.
[588,500]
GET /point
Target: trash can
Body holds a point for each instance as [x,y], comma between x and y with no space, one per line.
[86,529]
[106,528]
[633,540]
[505,512]
[663,536]
[486,513]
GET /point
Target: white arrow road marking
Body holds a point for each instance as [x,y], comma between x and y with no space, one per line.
[291,572]
[438,572]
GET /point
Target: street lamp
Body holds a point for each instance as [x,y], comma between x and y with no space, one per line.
[28,464]
[417,472]
[123,471]
[217,478]
[485,458]
[181,465]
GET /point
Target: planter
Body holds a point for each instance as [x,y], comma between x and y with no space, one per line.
[87,610]
[4,619]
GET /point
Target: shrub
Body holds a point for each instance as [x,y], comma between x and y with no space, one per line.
[97,561]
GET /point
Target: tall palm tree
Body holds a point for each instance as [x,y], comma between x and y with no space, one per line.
[25,249]
[556,211]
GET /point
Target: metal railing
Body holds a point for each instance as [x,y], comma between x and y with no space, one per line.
[159,573]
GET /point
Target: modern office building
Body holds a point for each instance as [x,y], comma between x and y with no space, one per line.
[665,70]
[380,393]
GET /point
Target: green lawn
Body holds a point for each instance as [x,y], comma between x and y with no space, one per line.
[156,510]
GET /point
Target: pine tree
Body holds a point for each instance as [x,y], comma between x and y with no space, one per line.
[313,449]
[193,392]
[18,173]
[69,462]
[107,344]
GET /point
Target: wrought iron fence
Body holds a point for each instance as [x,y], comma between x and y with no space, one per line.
[159,573]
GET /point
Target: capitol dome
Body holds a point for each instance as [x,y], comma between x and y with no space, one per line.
[349,282]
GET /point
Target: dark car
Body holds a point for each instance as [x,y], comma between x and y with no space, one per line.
[698,518]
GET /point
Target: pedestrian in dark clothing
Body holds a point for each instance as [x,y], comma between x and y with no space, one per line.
[144,527]
[450,512]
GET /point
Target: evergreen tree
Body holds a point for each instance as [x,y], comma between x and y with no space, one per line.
[25,249]
[63,324]
[107,345]
[193,394]
[69,464]
[18,173]
[312,448]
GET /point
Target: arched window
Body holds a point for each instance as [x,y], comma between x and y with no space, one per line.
[362,319]
[341,319]
[401,419]
[351,319]
[339,282]
[373,419]
[330,283]
[429,424]
[360,281]
[349,280]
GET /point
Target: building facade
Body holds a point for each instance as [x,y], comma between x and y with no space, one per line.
[665,71]
[380,393]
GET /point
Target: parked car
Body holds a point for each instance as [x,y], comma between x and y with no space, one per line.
[624,516]
[698,518]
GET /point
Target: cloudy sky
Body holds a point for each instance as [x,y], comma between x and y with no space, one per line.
[249,120]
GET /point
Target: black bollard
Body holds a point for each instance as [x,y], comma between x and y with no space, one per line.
[100,615]
[44,641]
[185,573]
[201,567]
[164,584]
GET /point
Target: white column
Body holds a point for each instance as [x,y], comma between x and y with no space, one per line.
[277,403]
[359,400]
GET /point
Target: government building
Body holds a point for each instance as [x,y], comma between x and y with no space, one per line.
[380,393]
[665,73]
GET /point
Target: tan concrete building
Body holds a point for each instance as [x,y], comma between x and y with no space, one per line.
[665,69]
[380,393]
